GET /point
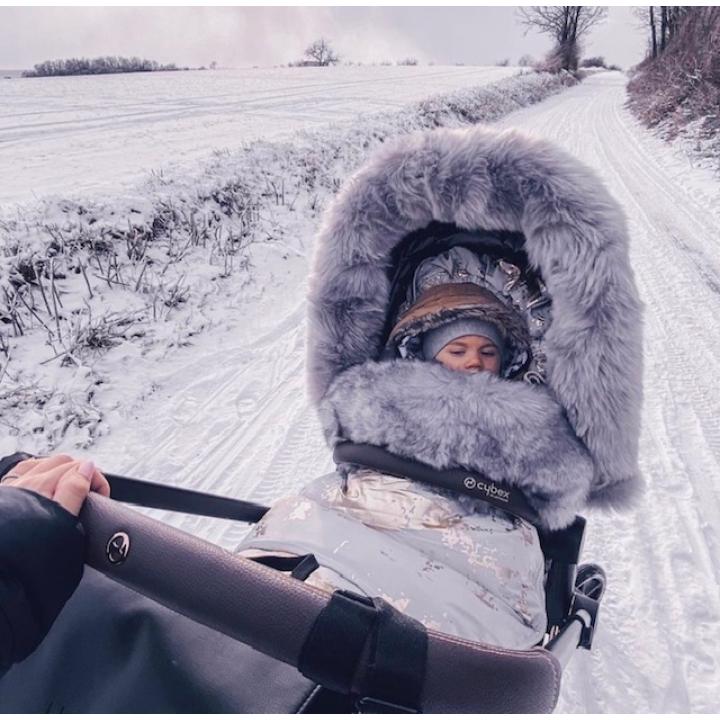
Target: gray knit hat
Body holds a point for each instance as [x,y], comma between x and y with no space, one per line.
[435,339]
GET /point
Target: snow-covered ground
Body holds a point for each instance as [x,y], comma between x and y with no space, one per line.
[659,645]
[230,414]
[92,134]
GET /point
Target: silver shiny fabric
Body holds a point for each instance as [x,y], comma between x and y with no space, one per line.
[453,563]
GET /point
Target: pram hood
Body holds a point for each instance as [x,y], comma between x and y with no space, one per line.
[572,440]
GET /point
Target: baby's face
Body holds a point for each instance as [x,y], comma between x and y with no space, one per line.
[471,353]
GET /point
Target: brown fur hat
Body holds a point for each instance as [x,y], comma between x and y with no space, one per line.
[445,303]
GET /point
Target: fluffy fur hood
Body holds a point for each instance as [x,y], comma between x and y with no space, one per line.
[575,236]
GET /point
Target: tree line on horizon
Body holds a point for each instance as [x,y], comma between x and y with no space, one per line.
[97,66]
[567,25]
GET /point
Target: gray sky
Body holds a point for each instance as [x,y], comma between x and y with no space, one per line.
[242,36]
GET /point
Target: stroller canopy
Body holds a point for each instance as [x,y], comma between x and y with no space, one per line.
[570,441]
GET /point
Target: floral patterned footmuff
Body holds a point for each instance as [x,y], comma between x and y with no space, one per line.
[454,563]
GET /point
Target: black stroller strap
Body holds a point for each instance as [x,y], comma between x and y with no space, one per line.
[168,497]
[364,647]
[300,567]
[467,482]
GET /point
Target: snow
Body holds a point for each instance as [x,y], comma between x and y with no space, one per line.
[657,649]
[228,413]
[94,134]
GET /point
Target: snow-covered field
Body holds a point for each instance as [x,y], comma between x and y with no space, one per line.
[229,414]
[94,134]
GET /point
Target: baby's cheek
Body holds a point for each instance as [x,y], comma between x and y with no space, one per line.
[450,363]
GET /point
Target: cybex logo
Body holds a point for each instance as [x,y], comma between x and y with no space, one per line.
[491,490]
[118,548]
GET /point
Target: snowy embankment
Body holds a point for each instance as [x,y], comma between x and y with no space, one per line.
[676,92]
[94,295]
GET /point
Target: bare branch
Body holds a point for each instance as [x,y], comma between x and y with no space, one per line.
[562,22]
[566,25]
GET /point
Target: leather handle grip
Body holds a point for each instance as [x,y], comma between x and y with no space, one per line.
[258,606]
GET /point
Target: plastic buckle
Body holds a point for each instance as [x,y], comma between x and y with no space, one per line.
[374,706]
[589,590]
[592,607]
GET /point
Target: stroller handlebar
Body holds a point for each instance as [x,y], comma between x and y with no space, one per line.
[275,614]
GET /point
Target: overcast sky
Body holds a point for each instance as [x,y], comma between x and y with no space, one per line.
[242,36]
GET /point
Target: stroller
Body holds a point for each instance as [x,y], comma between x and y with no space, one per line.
[166,622]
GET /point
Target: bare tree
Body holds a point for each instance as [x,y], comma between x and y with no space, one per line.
[662,22]
[673,14]
[663,27]
[653,31]
[322,53]
[526,61]
[566,24]
[682,83]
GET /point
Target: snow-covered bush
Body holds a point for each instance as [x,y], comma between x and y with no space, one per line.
[593,62]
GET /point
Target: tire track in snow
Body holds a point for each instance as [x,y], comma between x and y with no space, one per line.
[232,418]
[656,650]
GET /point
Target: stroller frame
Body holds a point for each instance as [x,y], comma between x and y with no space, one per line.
[249,601]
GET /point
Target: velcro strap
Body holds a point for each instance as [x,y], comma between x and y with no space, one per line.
[332,651]
[397,671]
[353,629]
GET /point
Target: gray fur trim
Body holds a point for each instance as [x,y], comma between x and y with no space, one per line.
[576,236]
[509,431]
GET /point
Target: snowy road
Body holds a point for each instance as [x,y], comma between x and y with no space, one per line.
[659,648]
[231,417]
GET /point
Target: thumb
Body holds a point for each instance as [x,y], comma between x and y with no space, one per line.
[74,486]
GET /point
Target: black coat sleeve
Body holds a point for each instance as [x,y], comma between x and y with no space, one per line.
[41,562]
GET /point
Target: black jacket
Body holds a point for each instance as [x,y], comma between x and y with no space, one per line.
[41,562]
